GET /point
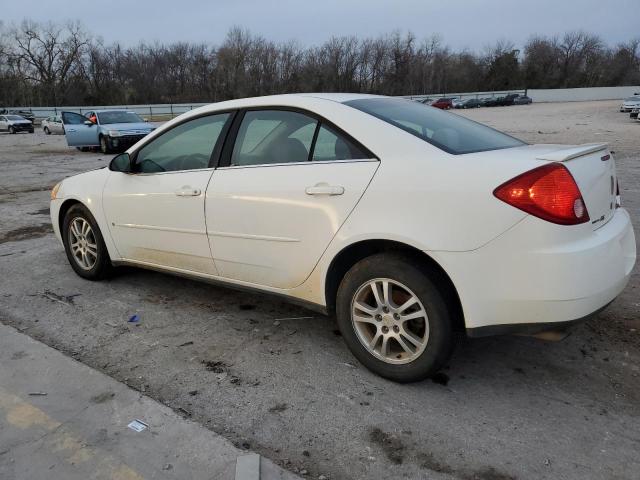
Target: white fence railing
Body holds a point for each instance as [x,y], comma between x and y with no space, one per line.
[171,110]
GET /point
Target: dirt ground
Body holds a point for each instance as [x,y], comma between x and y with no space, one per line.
[278,379]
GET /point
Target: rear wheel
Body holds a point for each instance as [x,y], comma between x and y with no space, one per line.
[393,318]
[12,130]
[47,131]
[84,244]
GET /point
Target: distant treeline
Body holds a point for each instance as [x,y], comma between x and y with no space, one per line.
[62,64]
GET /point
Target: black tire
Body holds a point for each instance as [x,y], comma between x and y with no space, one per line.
[12,130]
[105,145]
[47,131]
[102,267]
[419,280]
[31,131]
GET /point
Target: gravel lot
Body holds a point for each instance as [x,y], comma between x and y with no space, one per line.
[250,368]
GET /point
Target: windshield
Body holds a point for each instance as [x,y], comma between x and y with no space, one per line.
[118,117]
[14,117]
[447,131]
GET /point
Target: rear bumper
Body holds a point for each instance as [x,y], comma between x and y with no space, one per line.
[537,274]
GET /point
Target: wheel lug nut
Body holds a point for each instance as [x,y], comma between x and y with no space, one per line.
[385,329]
[396,316]
[385,309]
[396,328]
[378,317]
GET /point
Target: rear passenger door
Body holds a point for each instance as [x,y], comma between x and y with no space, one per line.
[3,123]
[284,188]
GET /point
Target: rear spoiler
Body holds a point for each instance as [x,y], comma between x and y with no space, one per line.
[568,153]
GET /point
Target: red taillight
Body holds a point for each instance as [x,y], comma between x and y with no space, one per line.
[548,192]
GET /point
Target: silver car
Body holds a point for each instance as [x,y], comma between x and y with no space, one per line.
[53,125]
[15,124]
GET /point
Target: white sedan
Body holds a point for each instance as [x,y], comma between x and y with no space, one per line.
[630,103]
[405,221]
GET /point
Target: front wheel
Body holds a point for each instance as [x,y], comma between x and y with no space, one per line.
[47,131]
[105,145]
[12,130]
[84,244]
[393,318]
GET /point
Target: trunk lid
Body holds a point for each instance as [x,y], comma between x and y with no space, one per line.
[593,169]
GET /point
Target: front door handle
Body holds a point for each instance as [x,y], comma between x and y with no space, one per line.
[324,189]
[188,191]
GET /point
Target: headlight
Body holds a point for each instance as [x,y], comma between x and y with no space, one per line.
[114,133]
[54,191]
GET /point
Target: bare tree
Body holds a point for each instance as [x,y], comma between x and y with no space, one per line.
[46,63]
[47,54]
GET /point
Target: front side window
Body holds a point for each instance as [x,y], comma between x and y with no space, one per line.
[447,131]
[70,118]
[188,146]
[273,136]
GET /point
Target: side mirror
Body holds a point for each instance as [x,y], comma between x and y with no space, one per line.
[88,122]
[121,163]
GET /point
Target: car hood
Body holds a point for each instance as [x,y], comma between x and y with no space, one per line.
[140,127]
[21,122]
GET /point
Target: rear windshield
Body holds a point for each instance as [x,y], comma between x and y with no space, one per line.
[118,117]
[447,131]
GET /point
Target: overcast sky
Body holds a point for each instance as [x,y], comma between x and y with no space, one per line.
[462,24]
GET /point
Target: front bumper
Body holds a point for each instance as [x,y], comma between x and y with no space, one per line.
[125,141]
[23,127]
[540,273]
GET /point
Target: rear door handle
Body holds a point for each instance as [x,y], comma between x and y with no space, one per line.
[324,189]
[187,191]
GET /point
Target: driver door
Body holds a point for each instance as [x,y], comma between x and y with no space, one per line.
[78,134]
[156,214]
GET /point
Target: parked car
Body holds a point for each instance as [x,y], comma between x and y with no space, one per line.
[457,102]
[53,124]
[507,100]
[522,100]
[491,102]
[26,114]
[336,201]
[15,124]
[630,103]
[110,130]
[471,103]
[443,103]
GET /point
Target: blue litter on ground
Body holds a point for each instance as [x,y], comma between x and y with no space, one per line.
[134,319]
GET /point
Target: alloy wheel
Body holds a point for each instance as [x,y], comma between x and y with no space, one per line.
[82,242]
[390,321]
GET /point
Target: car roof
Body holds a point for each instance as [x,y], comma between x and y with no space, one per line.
[111,110]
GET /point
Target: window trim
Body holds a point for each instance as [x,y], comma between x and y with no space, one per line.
[215,153]
[227,149]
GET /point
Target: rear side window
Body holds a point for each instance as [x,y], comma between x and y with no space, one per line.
[448,131]
[331,145]
[273,136]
